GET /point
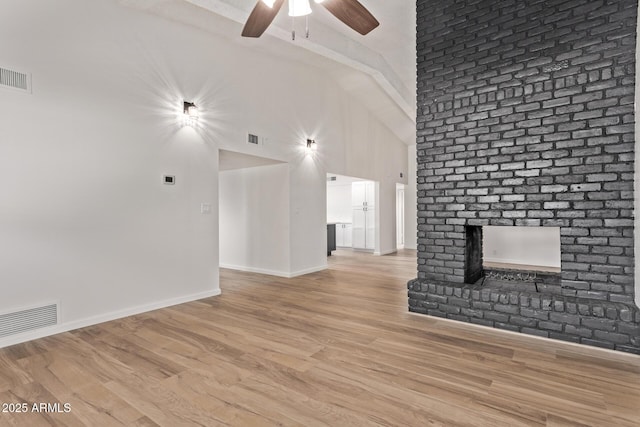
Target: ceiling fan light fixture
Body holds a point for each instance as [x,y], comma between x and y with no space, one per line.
[350,12]
[299,8]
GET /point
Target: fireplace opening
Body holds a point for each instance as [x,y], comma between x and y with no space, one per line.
[513,258]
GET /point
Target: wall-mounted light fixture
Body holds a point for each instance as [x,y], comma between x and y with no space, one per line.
[311,145]
[190,110]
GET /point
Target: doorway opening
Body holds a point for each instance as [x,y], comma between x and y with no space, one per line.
[351,214]
[253,214]
[514,258]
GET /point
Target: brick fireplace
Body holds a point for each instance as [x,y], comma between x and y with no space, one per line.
[526,118]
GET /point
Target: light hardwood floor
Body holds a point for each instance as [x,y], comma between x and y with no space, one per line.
[334,348]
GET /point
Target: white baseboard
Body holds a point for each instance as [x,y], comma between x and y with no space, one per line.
[255,270]
[308,271]
[102,318]
[285,274]
[390,251]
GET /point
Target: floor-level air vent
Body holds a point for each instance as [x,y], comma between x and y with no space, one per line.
[15,80]
[17,322]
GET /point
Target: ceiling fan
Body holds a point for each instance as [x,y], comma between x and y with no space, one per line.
[351,12]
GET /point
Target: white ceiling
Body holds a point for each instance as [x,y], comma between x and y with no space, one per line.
[377,69]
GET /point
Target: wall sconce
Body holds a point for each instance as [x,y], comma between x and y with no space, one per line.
[311,145]
[190,110]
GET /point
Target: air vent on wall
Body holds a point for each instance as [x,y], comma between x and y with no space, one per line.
[253,139]
[332,178]
[28,320]
[15,80]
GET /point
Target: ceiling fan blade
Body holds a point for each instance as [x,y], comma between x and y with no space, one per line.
[352,13]
[260,18]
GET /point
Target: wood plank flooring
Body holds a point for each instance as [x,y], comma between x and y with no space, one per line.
[334,348]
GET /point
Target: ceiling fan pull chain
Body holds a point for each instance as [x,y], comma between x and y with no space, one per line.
[306,21]
[293,28]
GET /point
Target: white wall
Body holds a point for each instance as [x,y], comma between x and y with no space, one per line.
[411,201]
[339,206]
[254,219]
[373,153]
[84,217]
[308,216]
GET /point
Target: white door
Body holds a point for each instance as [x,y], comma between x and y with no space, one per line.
[363,195]
[348,235]
[359,229]
[370,193]
[339,235]
[358,194]
[370,220]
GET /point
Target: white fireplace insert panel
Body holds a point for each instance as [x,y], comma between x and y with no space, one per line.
[522,246]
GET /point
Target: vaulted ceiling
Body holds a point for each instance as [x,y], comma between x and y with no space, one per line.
[378,69]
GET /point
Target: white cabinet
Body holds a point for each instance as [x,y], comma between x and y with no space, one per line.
[364,214]
[343,235]
[363,193]
[370,228]
[348,235]
[359,230]
[364,228]
[358,194]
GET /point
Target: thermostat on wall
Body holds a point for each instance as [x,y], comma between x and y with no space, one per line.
[169,179]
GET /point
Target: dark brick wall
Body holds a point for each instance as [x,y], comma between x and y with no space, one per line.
[526,117]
